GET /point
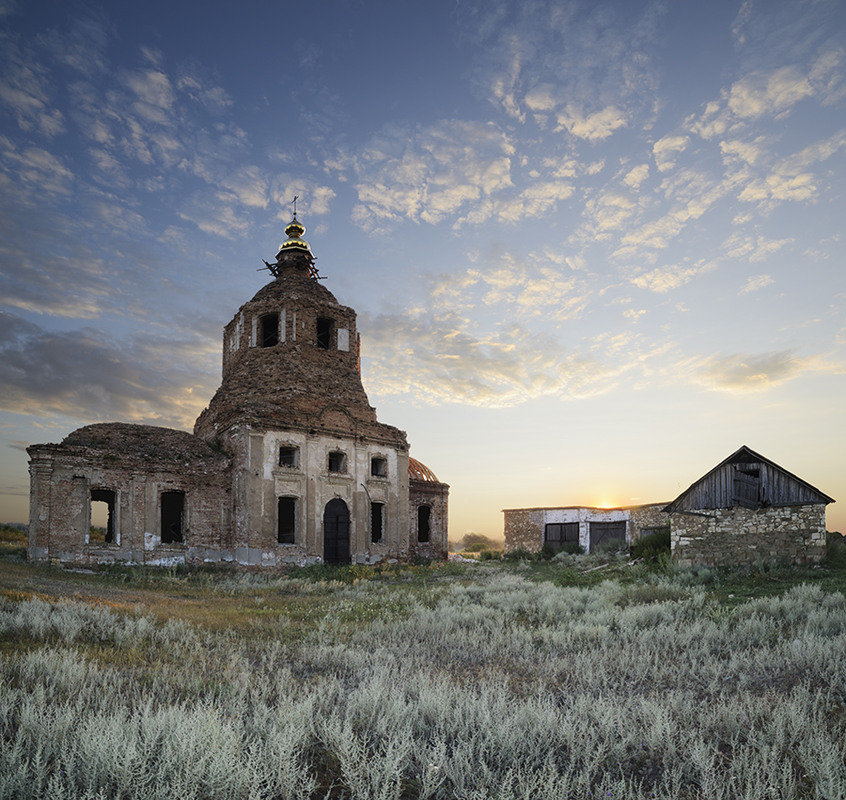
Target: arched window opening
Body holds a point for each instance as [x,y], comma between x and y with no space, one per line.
[173,514]
[324,333]
[376,521]
[286,528]
[270,330]
[424,514]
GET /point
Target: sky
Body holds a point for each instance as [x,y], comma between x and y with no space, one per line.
[594,247]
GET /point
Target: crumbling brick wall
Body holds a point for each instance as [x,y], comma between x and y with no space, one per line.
[137,463]
[435,496]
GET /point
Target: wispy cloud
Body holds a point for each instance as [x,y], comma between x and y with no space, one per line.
[666,278]
[594,126]
[756,282]
[666,151]
[748,372]
[588,70]
[88,376]
[432,174]
[452,363]
[753,248]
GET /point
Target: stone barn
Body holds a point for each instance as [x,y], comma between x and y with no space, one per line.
[288,464]
[745,510]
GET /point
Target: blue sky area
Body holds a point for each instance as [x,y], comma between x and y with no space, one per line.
[594,247]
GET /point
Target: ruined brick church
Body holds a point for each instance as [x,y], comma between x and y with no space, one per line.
[288,464]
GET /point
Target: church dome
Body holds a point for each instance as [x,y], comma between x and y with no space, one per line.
[417,471]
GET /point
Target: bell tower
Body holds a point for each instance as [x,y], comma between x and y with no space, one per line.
[315,474]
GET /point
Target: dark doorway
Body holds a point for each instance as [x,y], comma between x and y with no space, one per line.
[375,522]
[173,504]
[561,535]
[607,534]
[286,526]
[336,532]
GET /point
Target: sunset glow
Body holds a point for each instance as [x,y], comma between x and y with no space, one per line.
[594,247]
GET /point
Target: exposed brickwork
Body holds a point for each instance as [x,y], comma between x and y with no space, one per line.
[294,383]
[435,495]
[137,463]
[290,380]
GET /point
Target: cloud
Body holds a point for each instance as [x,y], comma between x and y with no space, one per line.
[755,282]
[439,359]
[87,375]
[636,176]
[746,152]
[748,372]
[772,92]
[592,127]
[433,174]
[532,55]
[753,248]
[26,90]
[38,172]
[666,150]
[667,278]
[529,285]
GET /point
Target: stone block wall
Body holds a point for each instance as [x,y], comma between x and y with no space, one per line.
[742,536]
[524,529]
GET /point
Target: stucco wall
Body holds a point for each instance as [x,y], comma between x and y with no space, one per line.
[524,527]
[739,536]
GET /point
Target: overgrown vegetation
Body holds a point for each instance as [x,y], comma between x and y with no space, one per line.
[13,540]
[575,677]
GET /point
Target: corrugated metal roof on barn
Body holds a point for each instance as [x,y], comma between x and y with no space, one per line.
[747,479]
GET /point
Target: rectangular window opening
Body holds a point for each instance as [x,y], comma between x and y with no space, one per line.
[286,528]
[379,467]
[102,530]
[337,462]
[270,330]
[173,517]
[289,456]
[324,333]
[376,522]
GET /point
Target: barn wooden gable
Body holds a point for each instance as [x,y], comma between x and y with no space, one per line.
[749,480]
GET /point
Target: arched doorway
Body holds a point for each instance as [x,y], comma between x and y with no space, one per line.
[336,532]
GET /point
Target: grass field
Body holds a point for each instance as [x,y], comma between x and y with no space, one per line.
[577,678]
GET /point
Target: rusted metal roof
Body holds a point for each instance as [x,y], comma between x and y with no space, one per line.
[420,472]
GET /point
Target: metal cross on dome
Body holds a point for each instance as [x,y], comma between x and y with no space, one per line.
[294,202]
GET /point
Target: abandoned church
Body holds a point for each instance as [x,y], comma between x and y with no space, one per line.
[288,464]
